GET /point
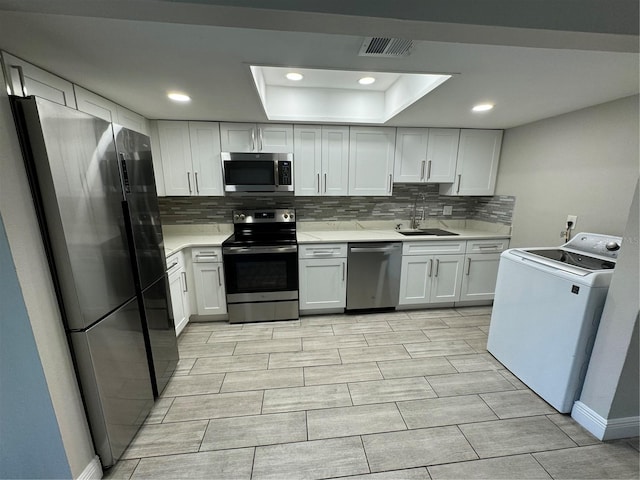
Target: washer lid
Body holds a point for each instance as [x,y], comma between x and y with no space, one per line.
[575,259]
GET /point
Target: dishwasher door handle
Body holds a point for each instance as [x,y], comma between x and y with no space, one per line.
[392,248]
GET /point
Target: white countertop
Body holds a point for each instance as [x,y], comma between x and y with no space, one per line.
[177,237]
[339,236]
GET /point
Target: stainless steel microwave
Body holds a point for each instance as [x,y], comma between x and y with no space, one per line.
[258,173]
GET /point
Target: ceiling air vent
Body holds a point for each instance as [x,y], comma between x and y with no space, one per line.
[385,47]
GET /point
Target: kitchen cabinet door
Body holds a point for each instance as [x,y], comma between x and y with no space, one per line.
[322,283]
[307,160]
[175,150]
[179,291]
[415,279]
[411,155]
[26,79]
[251,137]
[335,161]
[209,288]
[131,120]
[89,102]
[442,155]
[204,138]
[426,155]
[447,278]
[479,280]
[477,166]
[275,138]
[371,153]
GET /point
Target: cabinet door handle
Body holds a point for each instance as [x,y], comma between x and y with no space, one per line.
[437,267]
[318,175]
[253,139]
[390,182]
[428,169]
[197,186]
[343,270]
[260,138]
[430,267]
[219,280]
[325,183]
[422,170]
[459,179]
[23,86]
[186,287]
[489,247]
[189,181]
[468,265]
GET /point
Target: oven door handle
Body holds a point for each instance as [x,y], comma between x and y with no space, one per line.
[257,249]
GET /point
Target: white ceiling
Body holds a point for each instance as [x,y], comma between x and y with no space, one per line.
[134,51]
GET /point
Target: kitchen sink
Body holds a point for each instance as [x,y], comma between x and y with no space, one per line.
[427,231]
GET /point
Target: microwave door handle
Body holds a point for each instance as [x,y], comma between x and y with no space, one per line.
[276,174]
[253,139]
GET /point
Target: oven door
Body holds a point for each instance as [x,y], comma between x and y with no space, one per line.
[261,273]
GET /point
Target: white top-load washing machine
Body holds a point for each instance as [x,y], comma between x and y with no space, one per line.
[546,312]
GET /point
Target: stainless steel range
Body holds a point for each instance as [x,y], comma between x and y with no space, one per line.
[261,266]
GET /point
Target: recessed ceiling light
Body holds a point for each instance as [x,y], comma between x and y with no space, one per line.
[178,97]
[482,107]
[294,76]
[366,80]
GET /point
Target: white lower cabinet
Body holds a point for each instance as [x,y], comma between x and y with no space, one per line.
[208,276]
[179,290]
[322,276]
[430,279]
[431,272]
[481,269]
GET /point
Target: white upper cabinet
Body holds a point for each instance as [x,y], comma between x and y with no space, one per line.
[89,102]
[252,137]
[477,167]
[26,79]
[321,160]
[426,155]
[190,157]
[371,153]
[131,120]
[98,106]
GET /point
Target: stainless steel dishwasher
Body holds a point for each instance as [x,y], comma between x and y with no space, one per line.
[373,278]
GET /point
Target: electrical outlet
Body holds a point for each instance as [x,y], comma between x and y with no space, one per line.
[447,210]
[573,219]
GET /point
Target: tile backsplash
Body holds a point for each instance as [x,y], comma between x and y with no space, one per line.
[203,210]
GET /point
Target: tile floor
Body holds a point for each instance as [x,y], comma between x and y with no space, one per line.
[402,395]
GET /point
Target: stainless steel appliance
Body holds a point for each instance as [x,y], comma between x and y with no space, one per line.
[258,173]
[373,278]
[546,313]
[97,207]
[261,266]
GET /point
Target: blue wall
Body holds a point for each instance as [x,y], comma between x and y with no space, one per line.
[30,441]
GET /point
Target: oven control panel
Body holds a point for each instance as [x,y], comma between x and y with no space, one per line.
[279,215]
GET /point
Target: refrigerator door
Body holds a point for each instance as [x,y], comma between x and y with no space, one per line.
[136,164]
[162,332]
[112,366]
[71,156]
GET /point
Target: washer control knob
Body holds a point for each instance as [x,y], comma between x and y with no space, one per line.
[612,246]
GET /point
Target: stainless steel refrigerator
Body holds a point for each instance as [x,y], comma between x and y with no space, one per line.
[94,193]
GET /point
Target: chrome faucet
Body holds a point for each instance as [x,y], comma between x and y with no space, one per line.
[415,223]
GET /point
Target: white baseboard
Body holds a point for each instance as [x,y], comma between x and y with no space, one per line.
[603,428]
[92,471]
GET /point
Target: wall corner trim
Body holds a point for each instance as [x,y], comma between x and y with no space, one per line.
[92,471]
[603,428]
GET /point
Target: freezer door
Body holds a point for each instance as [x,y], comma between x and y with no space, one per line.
[136,164]
[76,185]
[162,340]
[112,366]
